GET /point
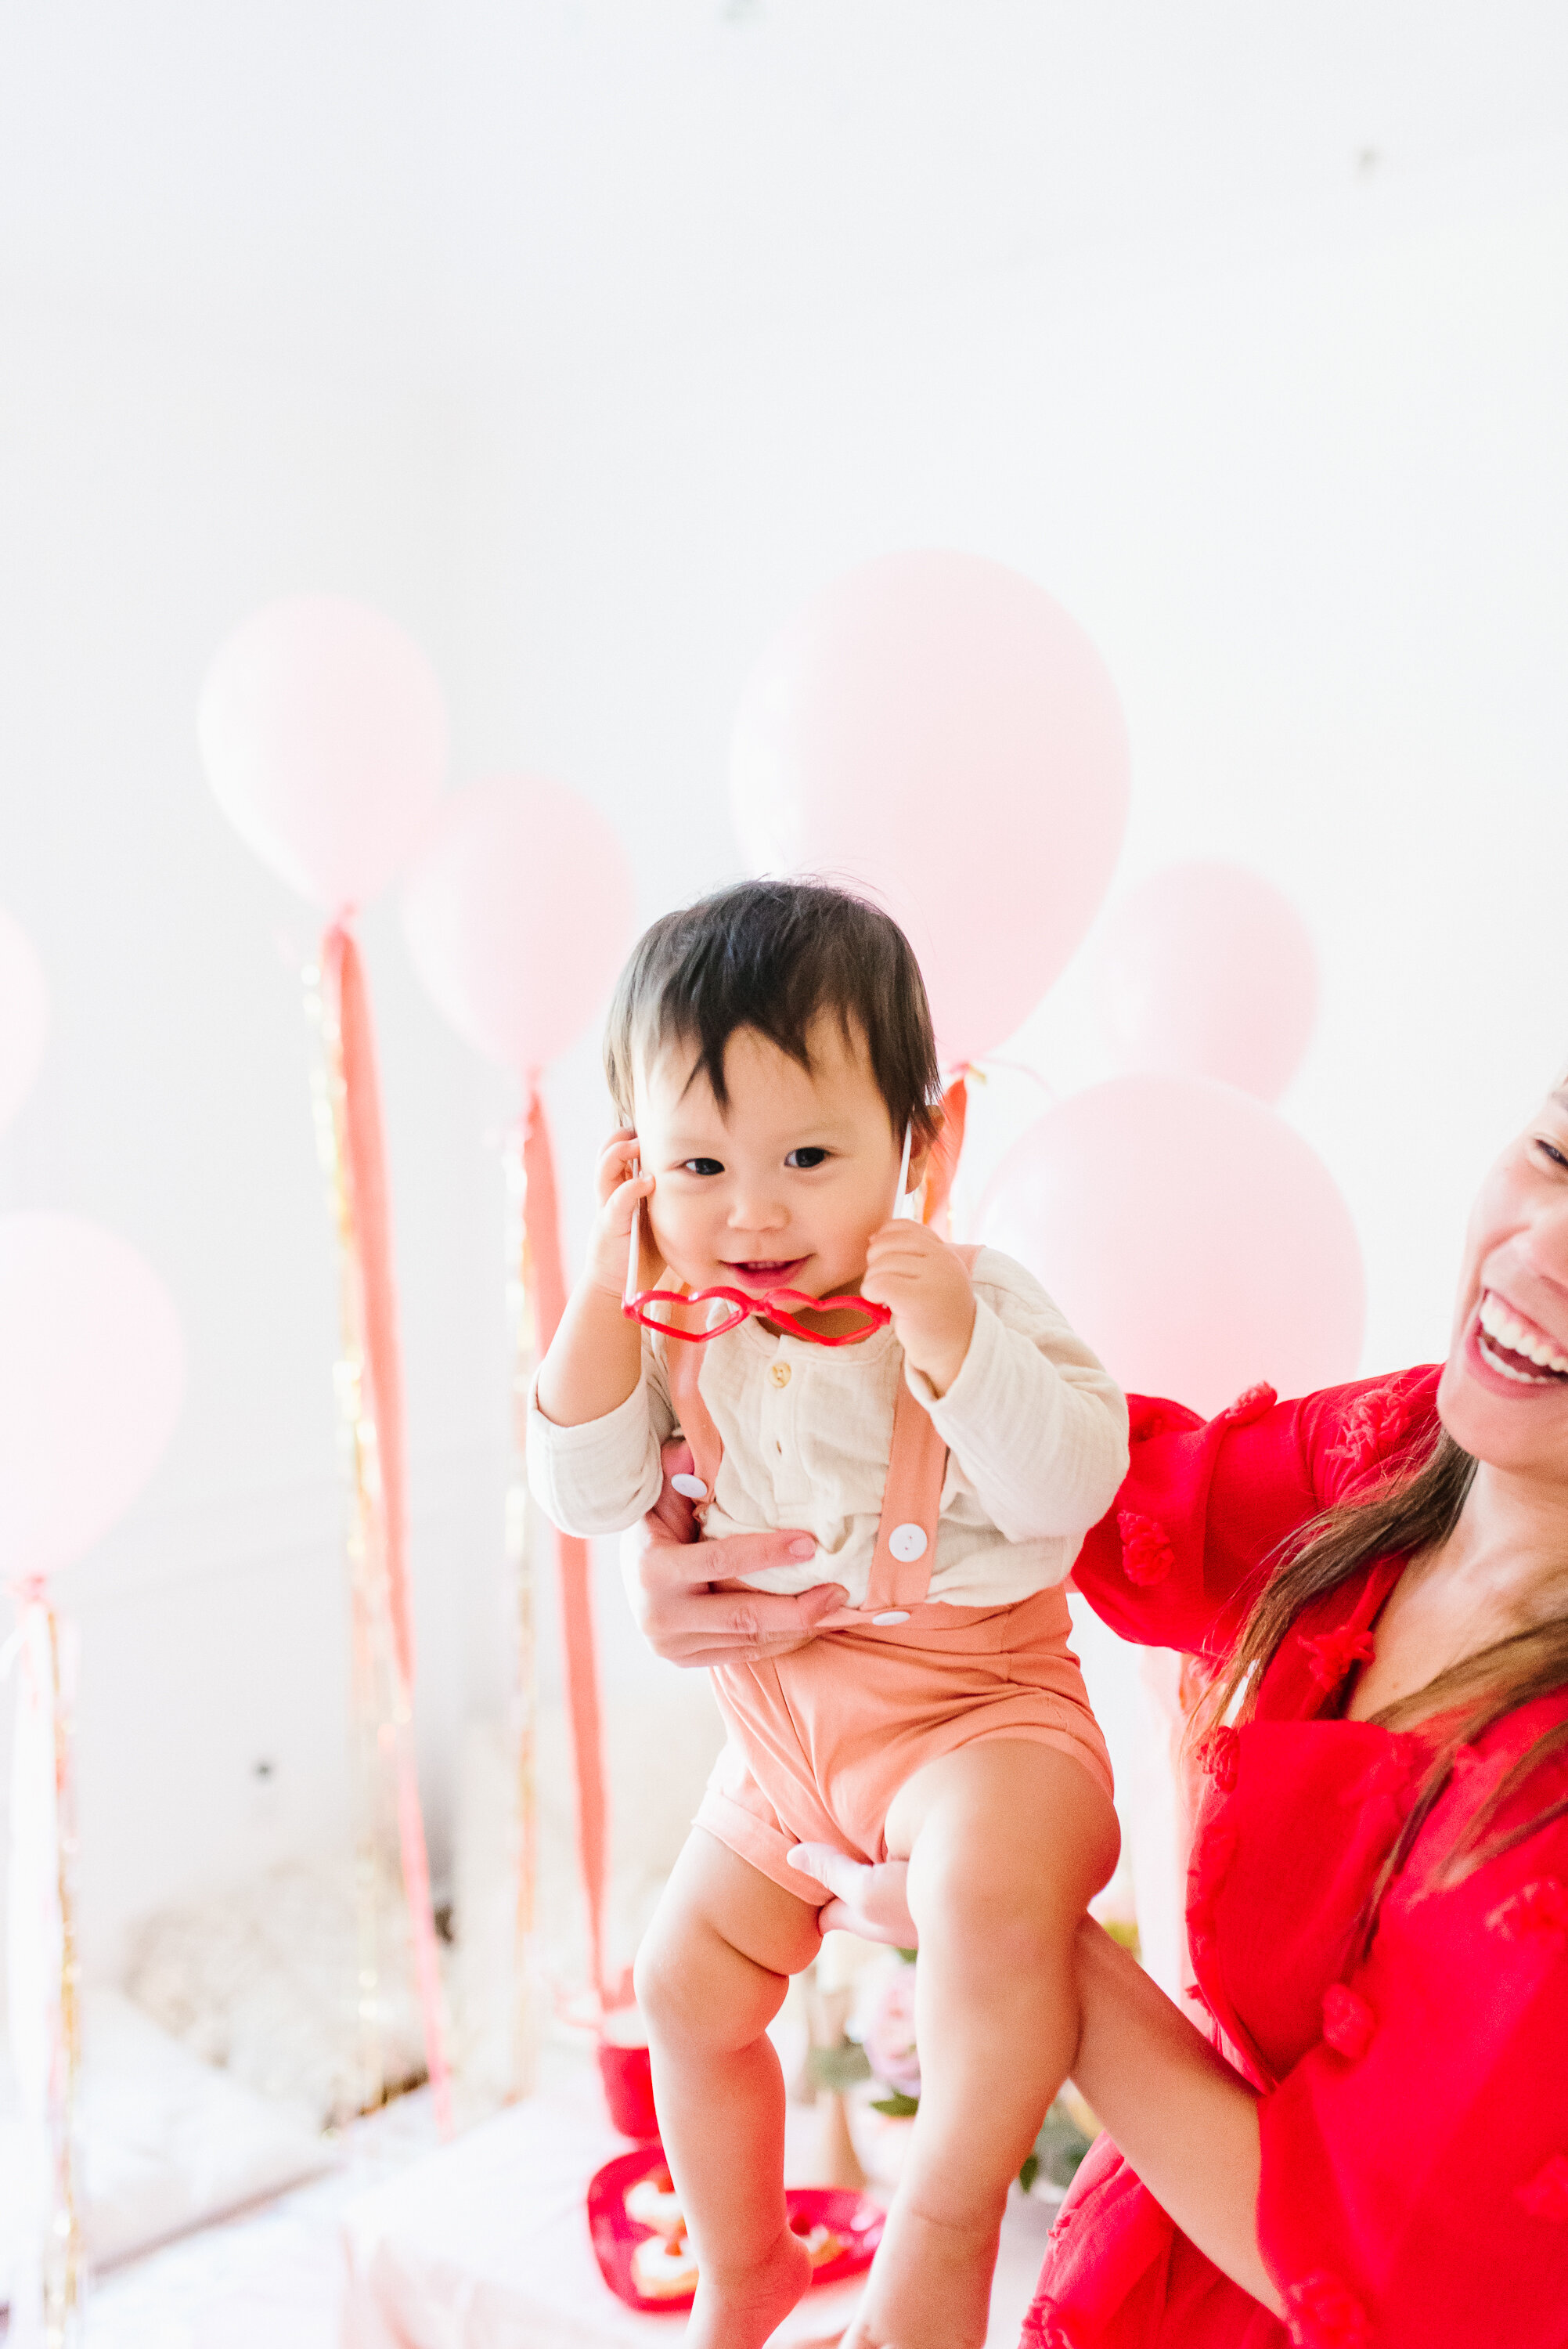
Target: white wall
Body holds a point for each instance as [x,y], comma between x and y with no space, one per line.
[585,340]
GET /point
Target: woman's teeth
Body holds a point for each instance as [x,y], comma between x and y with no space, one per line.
[1515,1339]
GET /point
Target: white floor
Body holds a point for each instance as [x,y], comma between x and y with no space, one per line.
[275,2278]
[273,2275]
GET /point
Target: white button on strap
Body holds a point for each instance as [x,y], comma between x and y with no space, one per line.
[690,1488]
[907,1543]
[894,1615]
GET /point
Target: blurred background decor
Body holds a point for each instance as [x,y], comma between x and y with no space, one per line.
[607,353]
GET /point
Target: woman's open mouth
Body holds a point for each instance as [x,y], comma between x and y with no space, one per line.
[1515,1349]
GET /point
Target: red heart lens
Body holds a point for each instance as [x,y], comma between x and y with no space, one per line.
[873,1317]
[659,1309]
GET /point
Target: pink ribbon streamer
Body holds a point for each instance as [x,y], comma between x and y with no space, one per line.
[368,1238]
[547,1281]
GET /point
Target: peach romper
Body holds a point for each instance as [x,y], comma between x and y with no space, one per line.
[821,1740]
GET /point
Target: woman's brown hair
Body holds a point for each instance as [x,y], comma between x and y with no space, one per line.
[1414,1510]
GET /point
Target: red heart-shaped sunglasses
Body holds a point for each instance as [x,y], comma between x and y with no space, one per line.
[656,1308]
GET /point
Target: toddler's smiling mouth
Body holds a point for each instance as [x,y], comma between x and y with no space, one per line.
[772,1272]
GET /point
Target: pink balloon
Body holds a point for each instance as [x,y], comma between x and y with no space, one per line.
[92,1373]
[518,913]
[323,734]
[1191,1236]
[936,727]
[24,1016]
[1207,970]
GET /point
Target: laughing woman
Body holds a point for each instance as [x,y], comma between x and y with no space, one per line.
[1366,2146]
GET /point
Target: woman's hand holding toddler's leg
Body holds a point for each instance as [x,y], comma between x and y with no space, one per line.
[711,1975]
[1006,1842]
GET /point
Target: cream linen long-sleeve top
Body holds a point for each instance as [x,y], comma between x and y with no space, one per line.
[1035,1431]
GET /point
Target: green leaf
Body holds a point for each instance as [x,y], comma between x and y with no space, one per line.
[837,2068]
[1030,2171]
[1060,2148]
[898,2107]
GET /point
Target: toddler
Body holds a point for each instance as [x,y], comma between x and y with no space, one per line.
[943,1441]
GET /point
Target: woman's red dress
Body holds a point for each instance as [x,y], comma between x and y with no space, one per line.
[1414,2105]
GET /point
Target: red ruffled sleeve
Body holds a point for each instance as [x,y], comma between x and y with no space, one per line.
[1206,1505]
[1415,2162]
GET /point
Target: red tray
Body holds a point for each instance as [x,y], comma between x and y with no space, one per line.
[616,2236]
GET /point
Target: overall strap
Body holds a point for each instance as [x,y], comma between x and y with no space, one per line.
[697,1422]
[912,1503]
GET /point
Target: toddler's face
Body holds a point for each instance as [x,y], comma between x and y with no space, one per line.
[784,1187]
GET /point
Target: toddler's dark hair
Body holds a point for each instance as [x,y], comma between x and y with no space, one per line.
[773,955]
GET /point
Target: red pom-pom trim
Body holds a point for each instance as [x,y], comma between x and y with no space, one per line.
[1220,1755]
[1044,2329]
[1146,1552]
[1250,1405]
[1348,2022]
[1545,2196]
[1330,1656]
[1211,1863]
[1537,1912]
[1372,1426]
[1320,2313]
[1388,1778]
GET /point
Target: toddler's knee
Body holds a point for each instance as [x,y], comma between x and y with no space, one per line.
[990,1925]
[694,1992]
[658,1980]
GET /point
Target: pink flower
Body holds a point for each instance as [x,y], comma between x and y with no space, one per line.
[889,2033]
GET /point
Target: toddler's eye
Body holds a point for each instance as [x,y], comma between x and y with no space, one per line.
[1552,1150]
[810,1156]
[702,1166]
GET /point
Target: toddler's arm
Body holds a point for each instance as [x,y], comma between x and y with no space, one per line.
[597,1414]
[595,1357]
[1037,1426]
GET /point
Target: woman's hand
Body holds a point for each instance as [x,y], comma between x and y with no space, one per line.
[870,1901]
[685,1596]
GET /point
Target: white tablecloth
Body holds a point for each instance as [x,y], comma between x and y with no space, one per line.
[485,2245]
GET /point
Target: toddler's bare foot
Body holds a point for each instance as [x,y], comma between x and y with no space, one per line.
[738,2310]
[930,2285]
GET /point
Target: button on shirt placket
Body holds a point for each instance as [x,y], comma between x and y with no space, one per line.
[780,1391]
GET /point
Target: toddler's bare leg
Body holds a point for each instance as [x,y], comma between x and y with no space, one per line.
[1006,1842]
[711,1975]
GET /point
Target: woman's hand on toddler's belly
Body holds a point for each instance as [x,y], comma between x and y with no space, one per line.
[870,1901]
[685,1596]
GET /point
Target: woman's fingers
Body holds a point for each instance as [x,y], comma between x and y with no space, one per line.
[672,1511]
[670,1580]
[737,1618]
[871,1901]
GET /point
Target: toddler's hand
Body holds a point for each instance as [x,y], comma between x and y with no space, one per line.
[619,1192]
[923,1283]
